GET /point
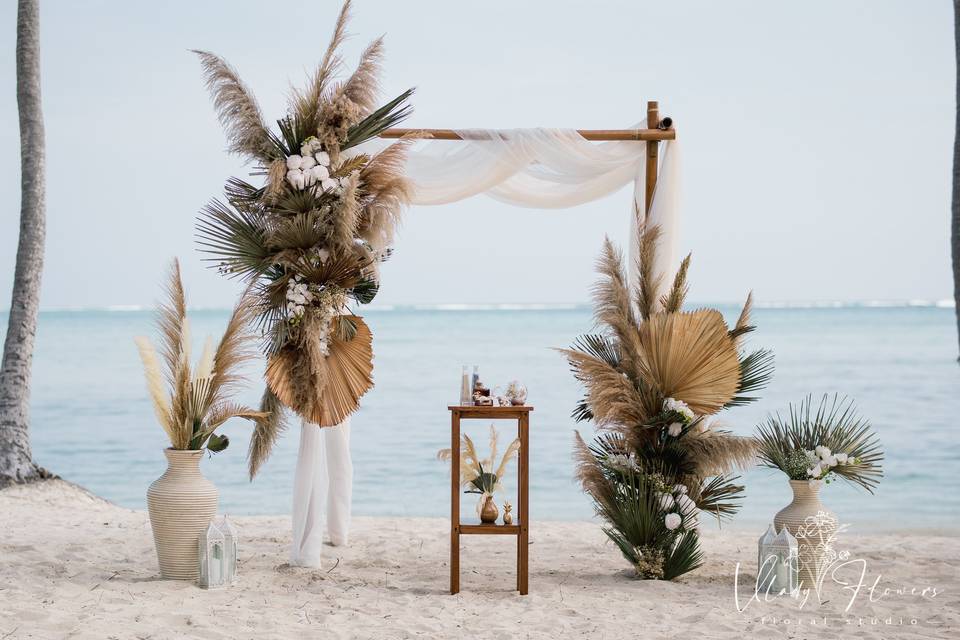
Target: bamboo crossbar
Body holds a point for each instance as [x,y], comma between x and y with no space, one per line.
[589,134]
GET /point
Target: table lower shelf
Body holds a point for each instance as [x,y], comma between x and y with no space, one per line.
[490,529]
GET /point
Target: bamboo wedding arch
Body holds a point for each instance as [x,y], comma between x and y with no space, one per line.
[663,130]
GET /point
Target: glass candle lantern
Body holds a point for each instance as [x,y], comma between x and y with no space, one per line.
[766,561]
[787,567]
[212,550]
[229,550]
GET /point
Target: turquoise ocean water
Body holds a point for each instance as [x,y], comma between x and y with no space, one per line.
[93,424]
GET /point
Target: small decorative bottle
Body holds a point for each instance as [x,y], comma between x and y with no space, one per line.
[229,551]
[466,393]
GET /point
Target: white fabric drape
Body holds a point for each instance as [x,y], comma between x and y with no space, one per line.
[322,491]
[536,168]
[551,169]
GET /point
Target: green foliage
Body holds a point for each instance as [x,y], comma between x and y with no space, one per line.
[834,424]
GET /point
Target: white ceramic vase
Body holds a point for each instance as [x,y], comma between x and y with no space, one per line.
[181,502]
[813,525]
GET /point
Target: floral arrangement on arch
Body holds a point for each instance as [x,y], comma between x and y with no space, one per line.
[309,239]
[655,378]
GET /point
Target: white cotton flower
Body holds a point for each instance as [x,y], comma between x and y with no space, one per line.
[307,163]
[841,458]
[308,178]
[687,506]
[672,520]
[295,178]
[679,406]
[323,158]
[323,254]
[822,452]
[814,471]
[666,501]
[329,184]
[675,429]
[294,162]
[320,172]
[830,461]
[680,488]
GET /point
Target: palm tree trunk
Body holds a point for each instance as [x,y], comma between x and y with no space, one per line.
[16,461]
[955,205]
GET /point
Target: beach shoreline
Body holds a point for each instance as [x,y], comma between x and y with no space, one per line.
[75,565]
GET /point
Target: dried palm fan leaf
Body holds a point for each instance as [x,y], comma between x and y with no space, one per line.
[350,374]
[690,357]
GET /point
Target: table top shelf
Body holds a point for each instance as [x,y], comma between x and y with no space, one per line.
[490,529]
[473,412]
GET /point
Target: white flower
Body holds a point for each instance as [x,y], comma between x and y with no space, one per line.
[296,179]
[323,158]
[672,520]
[320,172]
[308,178]
[310,146]
[822,452]
[814,471]
[666,501]
[687,506]
[830,461]
[329,184]
[344,181]
[323,254]
[678,406]
[841,458]
[294,162]
[675,429]
[811,456]
[680,488]
[307,163]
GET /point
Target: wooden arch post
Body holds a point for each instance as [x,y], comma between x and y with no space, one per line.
[653,153]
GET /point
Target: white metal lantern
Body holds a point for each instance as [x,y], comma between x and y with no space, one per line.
[212,551]
[787,567]
[766,561]
[777,562]
[229,550]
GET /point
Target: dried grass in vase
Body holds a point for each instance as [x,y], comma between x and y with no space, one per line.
[311,236]
[478,475]
[192,403]
[655,378]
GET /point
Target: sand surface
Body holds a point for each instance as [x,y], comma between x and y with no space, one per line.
[75,566]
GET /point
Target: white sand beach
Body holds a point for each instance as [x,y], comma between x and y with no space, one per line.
[75,566]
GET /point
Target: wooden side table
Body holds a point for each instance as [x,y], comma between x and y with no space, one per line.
[520,526]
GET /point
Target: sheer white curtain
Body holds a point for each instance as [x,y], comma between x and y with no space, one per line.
[536,168]
[551,169]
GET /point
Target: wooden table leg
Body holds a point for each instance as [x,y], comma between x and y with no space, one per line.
[523,539]
[455,503]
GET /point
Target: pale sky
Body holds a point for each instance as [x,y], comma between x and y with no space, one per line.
[817,139]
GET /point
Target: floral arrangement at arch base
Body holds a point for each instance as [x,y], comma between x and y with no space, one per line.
[310,238]
[656,376]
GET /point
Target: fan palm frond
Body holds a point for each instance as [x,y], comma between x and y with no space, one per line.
[834,424]
[690,356]
[235,238]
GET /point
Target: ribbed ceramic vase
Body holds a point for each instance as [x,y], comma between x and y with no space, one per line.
[813,525]
[181,503]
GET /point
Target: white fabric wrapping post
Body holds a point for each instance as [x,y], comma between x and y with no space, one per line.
[322,491]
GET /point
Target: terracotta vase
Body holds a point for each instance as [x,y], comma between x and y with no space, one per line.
[489,511]
[813,525]
[181,503]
